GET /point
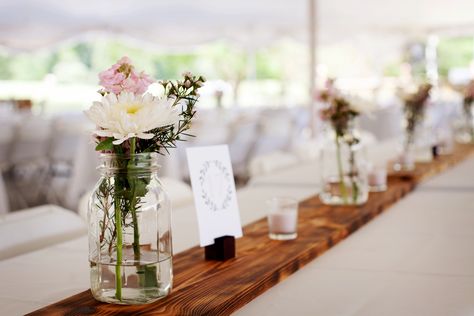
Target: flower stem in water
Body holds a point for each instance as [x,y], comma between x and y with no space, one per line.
[342,186]
[355,187]
[133,203]
[118,266]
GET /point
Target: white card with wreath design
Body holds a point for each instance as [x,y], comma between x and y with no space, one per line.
[214,192]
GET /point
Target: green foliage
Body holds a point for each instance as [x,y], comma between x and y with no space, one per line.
[105,145]
[455,52]
[184,94]
[172,66]
[82,61]
[225,61]
[84,51]
[27,67]
[268,66]
[392,70]
[5,71]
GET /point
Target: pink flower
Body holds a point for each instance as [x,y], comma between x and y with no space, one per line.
[137,84]
[111,80]
[122,77]
[124,60]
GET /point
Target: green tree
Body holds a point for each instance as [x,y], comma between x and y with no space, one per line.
[454,52]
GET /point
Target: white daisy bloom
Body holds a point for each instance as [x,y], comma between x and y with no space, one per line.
[128,115]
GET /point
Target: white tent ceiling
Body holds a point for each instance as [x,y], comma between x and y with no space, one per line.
[33,24]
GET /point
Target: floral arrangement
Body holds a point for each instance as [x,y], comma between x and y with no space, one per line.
[129,120]
[340,112]
[469,93]
[132,124]
[414,110]
[467,107]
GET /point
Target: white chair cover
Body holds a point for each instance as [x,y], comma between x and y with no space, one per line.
[263,164]
[67,131]
[31,140]
[84,174]
[241,143]
[275,132]
[381,152]
[307,150]
[7,134]
[385,123]
[4,205]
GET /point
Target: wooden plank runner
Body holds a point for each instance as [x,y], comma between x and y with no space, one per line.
[219,288]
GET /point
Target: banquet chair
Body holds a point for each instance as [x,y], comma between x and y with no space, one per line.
[209,131]
[31,140]
[384,123]
[28,160]
[243,136]
[67,131]
[267,163]
[307,150]
[4,204]
[84,174]
[367,138]
[301,123]
[275,132]
[7,134]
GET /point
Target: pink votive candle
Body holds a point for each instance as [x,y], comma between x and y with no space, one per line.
[282,218]
[378,180]
[404,161]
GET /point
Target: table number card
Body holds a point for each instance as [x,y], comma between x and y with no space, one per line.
[214,192]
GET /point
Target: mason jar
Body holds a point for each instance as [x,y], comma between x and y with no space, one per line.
[465,126]
[418,143]
[344,171]
[129,218]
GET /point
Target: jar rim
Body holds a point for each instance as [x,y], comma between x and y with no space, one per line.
[151,155]
[126,163]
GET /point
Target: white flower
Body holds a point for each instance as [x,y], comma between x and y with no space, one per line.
[128,115]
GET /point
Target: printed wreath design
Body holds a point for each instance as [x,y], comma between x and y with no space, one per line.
[208,200]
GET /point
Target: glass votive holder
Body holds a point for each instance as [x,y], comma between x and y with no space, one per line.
[405,161]
[377,179]
[446,146]
[282,218]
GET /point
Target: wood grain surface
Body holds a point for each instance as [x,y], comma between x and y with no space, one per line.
[219,288]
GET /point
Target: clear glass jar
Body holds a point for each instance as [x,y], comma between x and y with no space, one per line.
[130,249]
[416,145]
[405,160]
[465,130]
[344,171]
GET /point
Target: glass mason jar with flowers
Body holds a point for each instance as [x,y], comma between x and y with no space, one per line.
[130,247]
[466,130]
[343,159]
[416,144]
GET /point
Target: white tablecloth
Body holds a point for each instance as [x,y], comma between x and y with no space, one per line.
[39,227]
[415,259]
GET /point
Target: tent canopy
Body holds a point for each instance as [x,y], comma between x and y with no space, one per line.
[33,24]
